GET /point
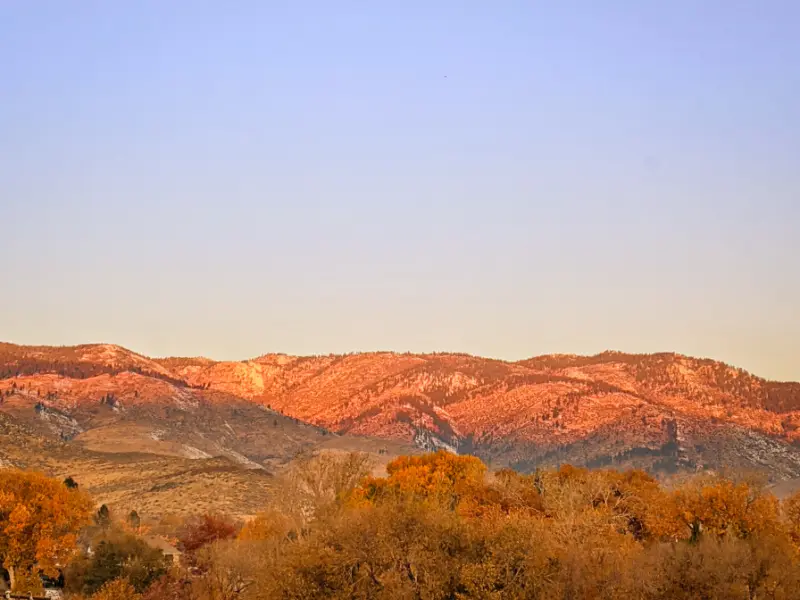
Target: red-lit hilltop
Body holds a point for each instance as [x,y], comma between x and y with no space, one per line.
[663,412]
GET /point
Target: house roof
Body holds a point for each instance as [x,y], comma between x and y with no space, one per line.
[161,544]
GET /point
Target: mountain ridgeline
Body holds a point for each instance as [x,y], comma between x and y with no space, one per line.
[666,413]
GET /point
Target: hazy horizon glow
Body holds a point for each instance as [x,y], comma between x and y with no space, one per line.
[505,180]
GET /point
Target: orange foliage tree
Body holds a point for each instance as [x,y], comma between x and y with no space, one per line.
[266,525]
[117,589]
[39,521]
[714,507]
[441,476]
[791,511]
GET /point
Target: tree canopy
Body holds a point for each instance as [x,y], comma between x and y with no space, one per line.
[39,522]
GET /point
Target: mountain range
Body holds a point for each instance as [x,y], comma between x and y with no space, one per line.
[121,420]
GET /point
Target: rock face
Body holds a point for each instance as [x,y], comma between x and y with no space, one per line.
[664,412]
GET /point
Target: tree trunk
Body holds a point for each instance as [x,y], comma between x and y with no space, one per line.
[11,578]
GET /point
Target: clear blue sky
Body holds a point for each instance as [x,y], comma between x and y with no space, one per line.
[500,178]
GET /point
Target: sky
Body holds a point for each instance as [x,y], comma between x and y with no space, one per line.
[505,179]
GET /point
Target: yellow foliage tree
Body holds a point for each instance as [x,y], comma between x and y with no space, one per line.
[441,476]
[117,589]
[39,521]
[268,525]
[716,508]
[791,511]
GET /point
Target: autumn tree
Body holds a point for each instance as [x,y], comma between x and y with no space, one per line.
[172,586]
[390,550]
[791,511]
[200,531]
[115,555]
[717,507]
[229,569]
[265,526]
[117,589]
[440,477]
[714,567]
[39,522]
[627,497]
[318,484]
